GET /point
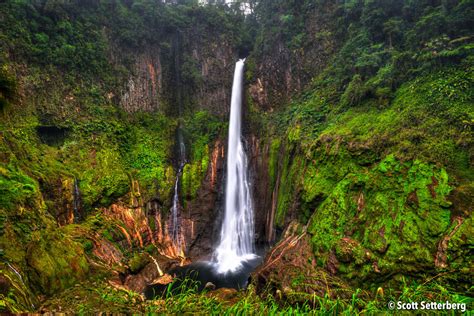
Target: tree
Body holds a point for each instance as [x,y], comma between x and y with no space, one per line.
[392,28]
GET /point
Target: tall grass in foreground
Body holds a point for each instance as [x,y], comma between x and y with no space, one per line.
[184,297]
[187,299]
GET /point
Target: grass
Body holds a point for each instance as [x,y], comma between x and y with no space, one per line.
[99,296]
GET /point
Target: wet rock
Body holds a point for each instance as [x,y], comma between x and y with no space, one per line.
[200,216]
[210,286]
[289,270]
[106,251]
[164,279]
[150,275]
[261,155]
[144,85]
[59,196]
[441,258]
[278,77]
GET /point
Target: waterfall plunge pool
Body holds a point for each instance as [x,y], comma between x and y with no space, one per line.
[197,275]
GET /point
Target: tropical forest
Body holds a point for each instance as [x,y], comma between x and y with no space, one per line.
[231,157]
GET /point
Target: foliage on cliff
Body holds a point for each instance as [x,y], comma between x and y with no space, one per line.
[69,150]
[366,107]
[356,49]
[374,153]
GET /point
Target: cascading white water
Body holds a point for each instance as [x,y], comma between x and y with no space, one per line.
[76,200]
[175,227]
[237,233]
[174,231]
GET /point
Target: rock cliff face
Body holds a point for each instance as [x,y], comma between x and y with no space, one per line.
[291,272]
[215,60]
[365,200]
[341,194]
[191,72]
[284,66]
[143,90]
[265,190]
[202,215]
[90,152]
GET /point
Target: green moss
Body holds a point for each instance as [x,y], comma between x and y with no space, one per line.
[459,246]
[16,295]
[200,131]
[194,172]
[8,86]
[390,210]
[16,188]
[57,262]
[294,134]
[106,181]
[148,153]
[150,249]
[291,173]
[88,246]
[426,120]
[137,262]
[323,172]
[376,170]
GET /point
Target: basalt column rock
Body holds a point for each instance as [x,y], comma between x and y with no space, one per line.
[200,216]
[263,194]
[281,70]
[144,85]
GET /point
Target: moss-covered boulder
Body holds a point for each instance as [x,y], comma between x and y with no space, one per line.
[56,261]
[387,219]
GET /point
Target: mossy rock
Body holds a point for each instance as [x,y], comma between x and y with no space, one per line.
[138,262]
[57,262]
[385,220]
[458,249]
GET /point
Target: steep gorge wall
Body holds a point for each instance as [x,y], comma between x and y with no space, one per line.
[143,90]
[294,46]
[106,127]
[191,71]
[356,171]
[363,198]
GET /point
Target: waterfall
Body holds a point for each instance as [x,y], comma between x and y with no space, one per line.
[76,201]
[175,227]
[237,233]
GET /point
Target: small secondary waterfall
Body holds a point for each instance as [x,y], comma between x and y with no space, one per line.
[175,227]
[175,220]
[237,233]
[76,201]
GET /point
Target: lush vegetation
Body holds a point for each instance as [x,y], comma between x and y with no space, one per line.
[186,299]
[362,111]
[373,150]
